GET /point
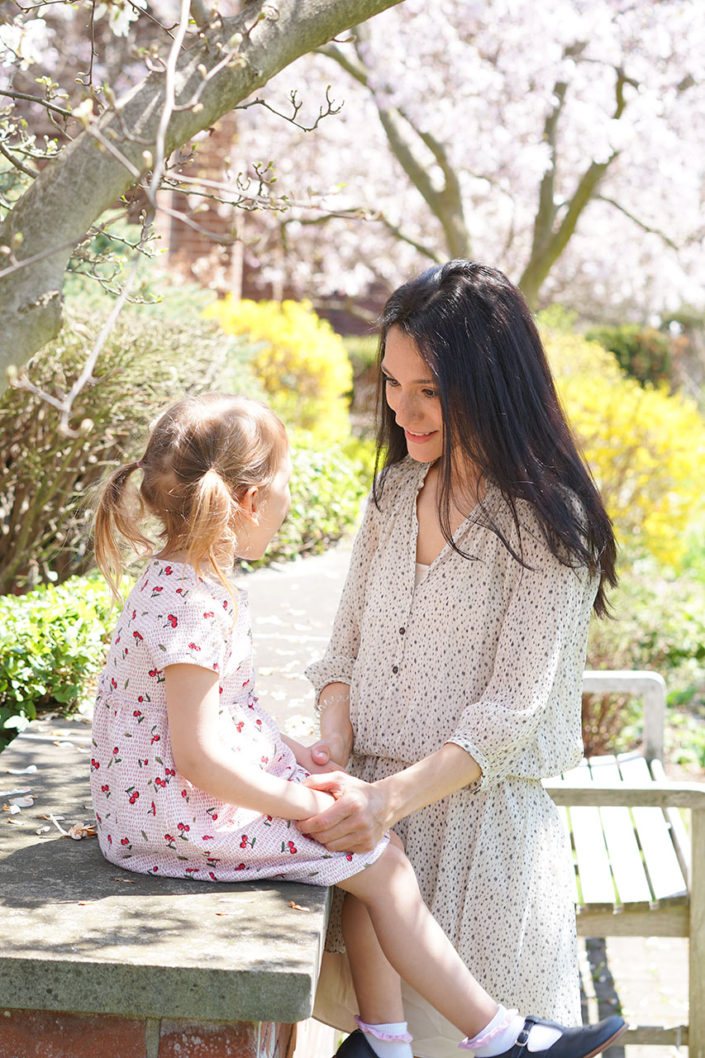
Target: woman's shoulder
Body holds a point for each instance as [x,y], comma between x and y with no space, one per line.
[398,481]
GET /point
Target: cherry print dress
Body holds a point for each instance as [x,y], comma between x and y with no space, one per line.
[150,818]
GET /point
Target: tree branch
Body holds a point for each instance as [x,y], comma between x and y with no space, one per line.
[446,203]
[266,37]
[639,223]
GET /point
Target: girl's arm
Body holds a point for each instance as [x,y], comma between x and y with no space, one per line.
[195,732]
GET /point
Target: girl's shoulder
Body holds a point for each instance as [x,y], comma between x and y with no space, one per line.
[183,587]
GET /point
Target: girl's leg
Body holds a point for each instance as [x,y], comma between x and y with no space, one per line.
[420,952]
[415,944]
[377,985]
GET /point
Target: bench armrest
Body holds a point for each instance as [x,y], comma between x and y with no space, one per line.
[652,794]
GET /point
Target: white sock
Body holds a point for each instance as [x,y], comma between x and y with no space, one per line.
[398,1047]
[503,1031]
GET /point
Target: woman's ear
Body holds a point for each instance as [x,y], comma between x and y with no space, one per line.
[249,505]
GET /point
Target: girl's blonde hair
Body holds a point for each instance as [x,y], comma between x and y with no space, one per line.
[202,456]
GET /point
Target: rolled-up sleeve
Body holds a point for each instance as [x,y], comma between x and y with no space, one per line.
[541,627]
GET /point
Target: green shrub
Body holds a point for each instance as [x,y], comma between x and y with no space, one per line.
[642,352]
[646,447]
[46,475]
[659,624]
[327,485]
[301,361]
[52,645]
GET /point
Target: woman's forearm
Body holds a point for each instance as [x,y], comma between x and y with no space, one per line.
[431,779]
[363,812]
[334,720]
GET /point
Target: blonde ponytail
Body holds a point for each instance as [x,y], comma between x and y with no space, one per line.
[116,519]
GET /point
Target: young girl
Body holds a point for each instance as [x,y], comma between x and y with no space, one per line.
[190,776]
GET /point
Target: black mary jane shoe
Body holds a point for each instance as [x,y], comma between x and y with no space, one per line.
[581,1042]
[355,1046]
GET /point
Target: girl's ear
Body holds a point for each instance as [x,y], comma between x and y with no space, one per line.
[249,505]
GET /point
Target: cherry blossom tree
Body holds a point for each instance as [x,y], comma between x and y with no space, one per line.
[562,141]
[184,66]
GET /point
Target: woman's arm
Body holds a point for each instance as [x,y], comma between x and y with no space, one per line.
[195,733]
[363,812]
[336,742]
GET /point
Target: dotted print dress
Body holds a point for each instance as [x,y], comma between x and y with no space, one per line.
[150,818]
[490,656]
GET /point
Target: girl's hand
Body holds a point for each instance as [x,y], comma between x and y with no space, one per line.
[356,822]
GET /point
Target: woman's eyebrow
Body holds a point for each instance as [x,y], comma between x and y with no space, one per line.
[414,382]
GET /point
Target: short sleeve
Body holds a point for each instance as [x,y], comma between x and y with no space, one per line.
[183,619]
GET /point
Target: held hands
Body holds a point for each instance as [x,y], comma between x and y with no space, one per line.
[356,821]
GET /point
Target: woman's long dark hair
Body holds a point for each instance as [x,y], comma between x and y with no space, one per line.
[500,408]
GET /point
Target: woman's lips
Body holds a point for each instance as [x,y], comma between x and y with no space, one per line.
[419,438]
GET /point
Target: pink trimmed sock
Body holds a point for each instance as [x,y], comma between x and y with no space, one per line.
[391,1040]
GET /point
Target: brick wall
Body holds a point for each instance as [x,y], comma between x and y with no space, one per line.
[47,1034]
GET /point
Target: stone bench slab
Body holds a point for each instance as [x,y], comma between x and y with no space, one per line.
[78,933]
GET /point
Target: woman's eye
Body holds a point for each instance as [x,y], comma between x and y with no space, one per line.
[430,393]
[390,381]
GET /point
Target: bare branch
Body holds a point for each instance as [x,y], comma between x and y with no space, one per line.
[649,229]
[46,103]
[17,164]
[330,108]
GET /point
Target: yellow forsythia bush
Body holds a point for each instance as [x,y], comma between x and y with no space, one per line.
[302,363]
[646,447]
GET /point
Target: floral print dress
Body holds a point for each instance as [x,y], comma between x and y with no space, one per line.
[150,818]
[489,655]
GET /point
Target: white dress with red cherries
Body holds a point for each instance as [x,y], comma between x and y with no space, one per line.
[150,818]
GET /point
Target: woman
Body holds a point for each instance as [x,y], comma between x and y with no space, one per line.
[452,679]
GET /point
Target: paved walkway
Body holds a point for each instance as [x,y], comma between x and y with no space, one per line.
[292,608]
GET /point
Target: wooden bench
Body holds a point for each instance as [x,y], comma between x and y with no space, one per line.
[637,871]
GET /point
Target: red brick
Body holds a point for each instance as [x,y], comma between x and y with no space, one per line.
[217,1040]
[46,1034]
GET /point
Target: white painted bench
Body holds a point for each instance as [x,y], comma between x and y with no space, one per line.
[637,870]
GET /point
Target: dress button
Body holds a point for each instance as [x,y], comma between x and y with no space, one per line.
[395,669]
[402,631]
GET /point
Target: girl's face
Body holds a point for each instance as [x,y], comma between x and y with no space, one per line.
[412,394]
[263,512]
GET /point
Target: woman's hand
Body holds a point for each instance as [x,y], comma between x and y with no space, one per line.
[335,745]
[356,822]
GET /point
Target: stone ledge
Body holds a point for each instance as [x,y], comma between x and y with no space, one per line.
[79,934]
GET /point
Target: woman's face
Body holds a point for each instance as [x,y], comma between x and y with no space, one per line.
[412,394]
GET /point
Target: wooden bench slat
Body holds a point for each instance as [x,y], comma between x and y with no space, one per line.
[594,874]
[665,874]
[681,841]
[630,879]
